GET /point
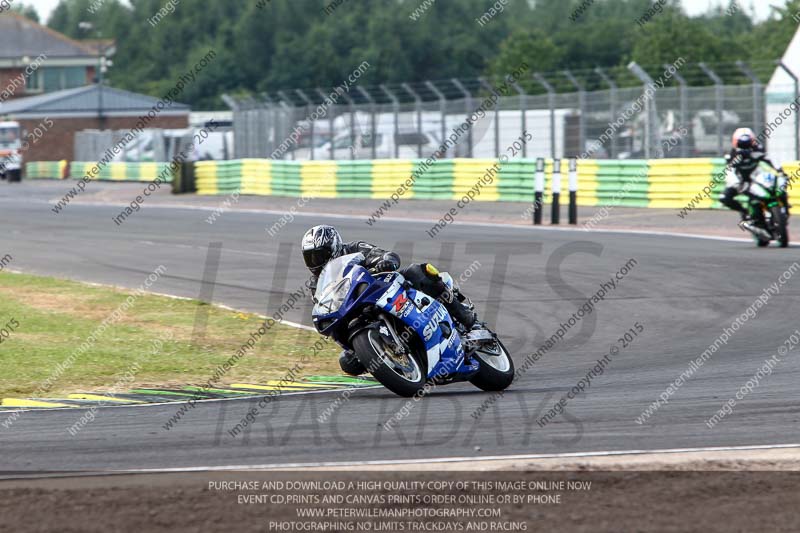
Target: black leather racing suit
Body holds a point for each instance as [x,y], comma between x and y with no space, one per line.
[380,260]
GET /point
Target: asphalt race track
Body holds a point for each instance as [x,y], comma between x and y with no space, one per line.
[683,291]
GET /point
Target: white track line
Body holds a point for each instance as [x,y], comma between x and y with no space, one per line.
[274,466]
[411,220]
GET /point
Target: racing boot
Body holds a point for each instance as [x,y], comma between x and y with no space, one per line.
[451,299]
[465,316]
[350,364]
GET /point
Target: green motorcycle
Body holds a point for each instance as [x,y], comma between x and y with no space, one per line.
[769,208]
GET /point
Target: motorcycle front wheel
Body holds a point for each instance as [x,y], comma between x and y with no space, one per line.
[781,225]
[404,374]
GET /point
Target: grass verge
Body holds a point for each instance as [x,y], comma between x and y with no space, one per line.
[47,320]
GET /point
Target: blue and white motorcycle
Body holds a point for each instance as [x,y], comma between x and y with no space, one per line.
[403,337]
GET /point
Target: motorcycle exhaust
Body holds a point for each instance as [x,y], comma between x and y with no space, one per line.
[761,233]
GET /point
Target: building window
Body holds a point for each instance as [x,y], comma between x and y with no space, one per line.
[33,82]
[49,79]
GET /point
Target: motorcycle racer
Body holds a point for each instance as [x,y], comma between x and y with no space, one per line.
[323,243]
[745,157]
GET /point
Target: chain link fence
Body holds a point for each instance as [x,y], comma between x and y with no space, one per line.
[680,120]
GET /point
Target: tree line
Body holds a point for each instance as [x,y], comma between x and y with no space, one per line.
[285,44]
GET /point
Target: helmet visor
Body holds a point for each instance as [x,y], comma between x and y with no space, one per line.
[316,258]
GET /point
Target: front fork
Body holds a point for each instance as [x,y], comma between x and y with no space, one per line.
[392,335]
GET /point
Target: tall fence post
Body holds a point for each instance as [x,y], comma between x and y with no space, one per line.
[538,194]
[352,108]
[648,82]
[684,99]
[551,102]
[372,126]
[270,142]
[309,111]
[794,77]
[523,105]
[582,105]
[442,107]
[612,97]
[488,86]
[418,104]
[573,191]
[719,87]
[236,109]
[396,109]
[758,123]
[332,132]
[469,109]
[288,107]
[555,212]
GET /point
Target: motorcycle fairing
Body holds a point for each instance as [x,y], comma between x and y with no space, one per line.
[431,321]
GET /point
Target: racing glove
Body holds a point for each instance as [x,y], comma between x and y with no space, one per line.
[388,262]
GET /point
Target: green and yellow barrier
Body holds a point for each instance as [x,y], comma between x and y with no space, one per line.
[49,170]
[140,172]
[662,183]
[512,181]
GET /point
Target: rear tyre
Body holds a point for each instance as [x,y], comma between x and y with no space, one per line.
[15,176]
[497,367]
[403,374]
[780,221]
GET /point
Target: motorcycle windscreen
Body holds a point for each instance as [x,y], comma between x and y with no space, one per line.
[334,270]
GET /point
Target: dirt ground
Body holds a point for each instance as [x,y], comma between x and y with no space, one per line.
[597,501]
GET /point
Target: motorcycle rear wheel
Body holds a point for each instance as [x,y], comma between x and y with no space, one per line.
[497,367]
